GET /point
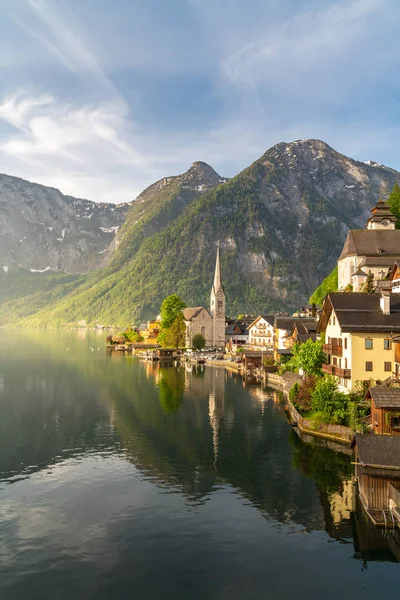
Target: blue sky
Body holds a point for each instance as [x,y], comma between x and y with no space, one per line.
[101,98]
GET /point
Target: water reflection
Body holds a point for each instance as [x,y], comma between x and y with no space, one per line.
[183,437]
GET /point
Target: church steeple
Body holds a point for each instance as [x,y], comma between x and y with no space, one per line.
[217,305]
[217,277]
[381,215]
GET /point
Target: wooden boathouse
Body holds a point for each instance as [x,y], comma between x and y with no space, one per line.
[385,409]
[377,460]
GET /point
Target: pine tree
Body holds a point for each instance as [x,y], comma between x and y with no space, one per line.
[369,286]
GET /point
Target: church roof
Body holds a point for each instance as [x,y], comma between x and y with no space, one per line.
[192,312]
[379,261]
[372,242]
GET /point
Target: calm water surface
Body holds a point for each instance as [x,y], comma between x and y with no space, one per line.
[120,479]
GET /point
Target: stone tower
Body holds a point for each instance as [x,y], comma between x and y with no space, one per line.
[217,306]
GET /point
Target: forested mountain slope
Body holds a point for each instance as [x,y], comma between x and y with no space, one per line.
[281,224]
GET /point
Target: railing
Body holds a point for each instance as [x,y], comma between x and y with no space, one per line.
[332,349]
[394,495]
[334,370]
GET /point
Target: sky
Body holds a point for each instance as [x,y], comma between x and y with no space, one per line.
[101,98]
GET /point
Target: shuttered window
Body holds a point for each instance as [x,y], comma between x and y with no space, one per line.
[368,365]
[388,366]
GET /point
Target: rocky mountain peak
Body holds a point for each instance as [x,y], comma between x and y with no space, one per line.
[201,174]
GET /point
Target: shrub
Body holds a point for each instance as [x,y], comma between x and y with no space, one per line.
[268,361]
[327,399]
[198,341]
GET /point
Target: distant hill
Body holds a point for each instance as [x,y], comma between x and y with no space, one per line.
[281,224]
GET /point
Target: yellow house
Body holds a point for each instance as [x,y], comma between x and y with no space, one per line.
[150,334]
[358,332]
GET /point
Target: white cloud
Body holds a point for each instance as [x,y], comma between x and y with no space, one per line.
[303,42]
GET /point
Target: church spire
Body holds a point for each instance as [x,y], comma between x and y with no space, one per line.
[217,277]
[381,214]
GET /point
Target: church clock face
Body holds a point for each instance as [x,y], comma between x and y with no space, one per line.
[385,222]
[220,294]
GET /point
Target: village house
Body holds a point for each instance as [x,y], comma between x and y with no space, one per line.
[237,333]
[149,331]
[261,332]
[301,332]
[283,329]
[358,332]
[394,278]
[385,409]
[373,249]
[377,459]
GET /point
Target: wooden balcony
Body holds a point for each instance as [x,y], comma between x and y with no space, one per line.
[337,371]
[333,349]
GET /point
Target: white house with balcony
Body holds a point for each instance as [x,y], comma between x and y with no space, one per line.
[261,332]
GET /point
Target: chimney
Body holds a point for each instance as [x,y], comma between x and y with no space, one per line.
[385,303]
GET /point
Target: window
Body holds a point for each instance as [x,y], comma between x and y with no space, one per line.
[345,343]
[396,422]
[203,332]
[368,366]
[219,303]
[345,363]
[387,344]
[388,366]
[368,345]
[333,321]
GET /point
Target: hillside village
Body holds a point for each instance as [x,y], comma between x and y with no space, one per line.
[340,362]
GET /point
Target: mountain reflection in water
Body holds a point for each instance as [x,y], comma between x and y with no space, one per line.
[119,476]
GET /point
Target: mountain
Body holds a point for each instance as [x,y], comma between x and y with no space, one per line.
[43,230]
[281,224]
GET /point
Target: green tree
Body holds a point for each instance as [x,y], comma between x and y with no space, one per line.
[198,341]
[178,331]
[329,284]
[327,399]
[310,356]
[131,335]
[394,203]
[369,286]
[170,309]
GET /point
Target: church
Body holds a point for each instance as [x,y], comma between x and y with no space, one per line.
[373,249]
[210,324]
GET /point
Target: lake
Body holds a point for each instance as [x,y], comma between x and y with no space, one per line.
[120,479]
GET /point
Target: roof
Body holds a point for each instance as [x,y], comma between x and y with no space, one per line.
[371,242]
[288,323]
[357,311]
[381,451]
[191,312]
[142,326]
[378,261]
[237,328]
[286,351]
[359,272]
[385,397]
[270,319]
